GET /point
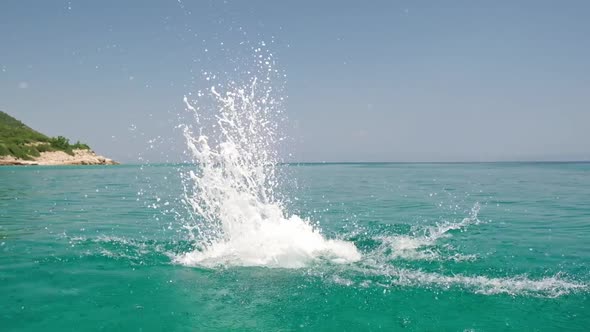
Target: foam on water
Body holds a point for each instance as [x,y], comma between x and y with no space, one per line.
[552,286]
[279,242]
[238,215]
[419,245]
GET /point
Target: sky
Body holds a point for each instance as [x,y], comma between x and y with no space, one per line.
[365,80]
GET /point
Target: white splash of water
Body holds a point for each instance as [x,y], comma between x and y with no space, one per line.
[239,219]
[419,247]
[553,286]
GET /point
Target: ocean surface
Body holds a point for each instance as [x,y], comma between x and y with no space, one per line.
[358,247]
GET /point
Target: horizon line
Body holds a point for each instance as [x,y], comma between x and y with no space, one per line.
[391,162]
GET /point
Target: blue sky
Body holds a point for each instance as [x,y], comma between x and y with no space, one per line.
[366,81]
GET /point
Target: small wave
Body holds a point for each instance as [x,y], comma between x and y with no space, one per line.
[388,277]
[120,248]
[553,286]
[419,247]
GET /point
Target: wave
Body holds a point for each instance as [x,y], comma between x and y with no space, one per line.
[550,287]
[420,244]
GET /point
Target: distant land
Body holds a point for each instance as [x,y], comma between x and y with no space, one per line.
[21,145]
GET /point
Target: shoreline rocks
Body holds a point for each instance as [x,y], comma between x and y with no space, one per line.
[80,157]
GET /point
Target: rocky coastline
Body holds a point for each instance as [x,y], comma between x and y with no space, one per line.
[79,157]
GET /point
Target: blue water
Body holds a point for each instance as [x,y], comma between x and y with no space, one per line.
[445,247]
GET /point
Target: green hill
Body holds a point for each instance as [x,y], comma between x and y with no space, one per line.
[20,141]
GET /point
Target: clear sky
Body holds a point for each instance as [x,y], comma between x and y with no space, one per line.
[366,80]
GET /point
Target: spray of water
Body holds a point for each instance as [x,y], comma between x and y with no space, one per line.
[239,217]
[420,245]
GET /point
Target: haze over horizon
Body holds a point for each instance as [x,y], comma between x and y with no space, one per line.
[385,81]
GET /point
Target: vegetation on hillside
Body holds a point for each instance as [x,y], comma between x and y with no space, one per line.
[20,141]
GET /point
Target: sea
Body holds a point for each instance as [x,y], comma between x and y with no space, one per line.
[390,246]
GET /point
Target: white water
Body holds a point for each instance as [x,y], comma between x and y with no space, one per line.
[239,218]
[552,286]
[421,244]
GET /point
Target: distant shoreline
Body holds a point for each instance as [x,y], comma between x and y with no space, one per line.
[20,145]
[56,158]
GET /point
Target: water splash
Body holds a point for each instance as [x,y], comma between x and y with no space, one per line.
[239,217]
[388,276]
[420,244]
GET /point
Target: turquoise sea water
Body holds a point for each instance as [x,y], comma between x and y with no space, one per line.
[445,247]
